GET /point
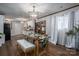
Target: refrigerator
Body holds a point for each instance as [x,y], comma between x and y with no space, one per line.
[7,31]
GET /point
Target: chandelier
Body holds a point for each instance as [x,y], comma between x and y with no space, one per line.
[33,13]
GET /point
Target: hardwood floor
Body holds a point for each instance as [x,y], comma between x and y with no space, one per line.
[10,49]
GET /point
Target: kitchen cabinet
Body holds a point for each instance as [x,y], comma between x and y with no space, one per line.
[2,40]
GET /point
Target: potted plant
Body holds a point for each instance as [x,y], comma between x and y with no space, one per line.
[73,33]
[70,33]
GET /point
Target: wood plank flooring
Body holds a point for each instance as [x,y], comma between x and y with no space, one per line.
[10,49]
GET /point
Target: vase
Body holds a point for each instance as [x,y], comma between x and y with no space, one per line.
[70,42]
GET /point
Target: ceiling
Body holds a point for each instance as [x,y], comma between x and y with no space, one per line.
[22,9]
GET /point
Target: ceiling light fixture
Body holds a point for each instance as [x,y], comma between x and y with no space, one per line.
[33,14]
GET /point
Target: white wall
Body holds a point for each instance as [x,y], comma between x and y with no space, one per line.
[48,26]
[16,28]
[1,23]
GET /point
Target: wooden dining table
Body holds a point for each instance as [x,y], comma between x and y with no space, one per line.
[36,40]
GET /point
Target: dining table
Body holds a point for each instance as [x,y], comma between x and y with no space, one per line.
[35,39]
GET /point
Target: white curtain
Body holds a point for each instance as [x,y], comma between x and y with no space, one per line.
[76,23]
[62,27]
[65,23]
[70,40]
[53,30]
[59,26]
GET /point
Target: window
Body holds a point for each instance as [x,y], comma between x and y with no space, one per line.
[62,22]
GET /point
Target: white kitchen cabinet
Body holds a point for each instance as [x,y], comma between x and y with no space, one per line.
[2,40]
